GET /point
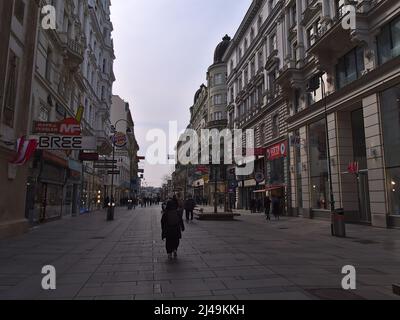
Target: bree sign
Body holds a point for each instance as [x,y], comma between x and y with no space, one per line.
[66,143]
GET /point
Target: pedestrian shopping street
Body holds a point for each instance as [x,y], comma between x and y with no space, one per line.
[249,258]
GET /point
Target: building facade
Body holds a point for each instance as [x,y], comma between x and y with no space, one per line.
[18,32]
[359,97]
[255,101]
[126,182]
[74,67]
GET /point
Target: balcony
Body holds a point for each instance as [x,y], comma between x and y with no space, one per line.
[217,124]
[313,7]
[73,51]
[332,32]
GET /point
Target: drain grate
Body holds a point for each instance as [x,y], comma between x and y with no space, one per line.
[333,294]
[97,238]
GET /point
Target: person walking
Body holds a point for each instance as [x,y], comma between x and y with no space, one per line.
[276,208]
[180,204]
[253,205]
[267,206]
[172,227]
[190,204]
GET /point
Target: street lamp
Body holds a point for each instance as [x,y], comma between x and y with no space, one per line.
[314,84]
[111,204]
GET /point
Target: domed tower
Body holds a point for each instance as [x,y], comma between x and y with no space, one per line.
[217,84]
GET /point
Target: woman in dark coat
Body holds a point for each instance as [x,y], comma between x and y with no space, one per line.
[172,226]
[267,206]
[276,207]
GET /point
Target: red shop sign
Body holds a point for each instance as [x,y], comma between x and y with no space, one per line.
[277,151]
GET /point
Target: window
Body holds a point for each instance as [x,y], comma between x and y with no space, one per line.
[259,23]
[390,113]
[273,43]
[318,165]
[296,101]
[11,90]
[263,135]
[315,96]
[350,67]
[218,79]
[293,16]
[240,80]
[19,11]
[218,99]
[294,52]
[218,116]
[253,68]
[44,114]
[340,8]
[48,64]
[275,125]
[313,32]
[246,76]
[389,41]
[251,35]
[260,59]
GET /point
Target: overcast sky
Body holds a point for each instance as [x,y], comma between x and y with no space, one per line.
[163,49]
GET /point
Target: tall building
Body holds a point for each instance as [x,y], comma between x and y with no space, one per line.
[74,67]
[359,95]
[126,182]
[208,112]
[18,32]
[255,102]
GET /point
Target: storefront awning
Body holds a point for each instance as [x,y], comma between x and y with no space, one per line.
[271,188]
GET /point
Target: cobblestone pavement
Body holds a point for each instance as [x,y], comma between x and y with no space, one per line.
[245,259]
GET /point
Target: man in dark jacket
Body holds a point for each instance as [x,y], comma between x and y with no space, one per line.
[267,206]
[172,227]
[190,204]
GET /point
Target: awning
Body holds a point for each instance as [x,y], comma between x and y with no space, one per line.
[271,188]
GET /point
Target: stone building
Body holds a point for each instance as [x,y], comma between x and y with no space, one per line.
[18,32]
[255,102]
[74,67]
[356,87]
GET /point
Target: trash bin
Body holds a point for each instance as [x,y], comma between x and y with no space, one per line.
[338,223]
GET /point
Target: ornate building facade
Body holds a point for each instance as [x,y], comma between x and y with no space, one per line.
[74,67]
[18,32]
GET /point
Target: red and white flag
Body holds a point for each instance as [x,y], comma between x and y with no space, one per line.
[25,150]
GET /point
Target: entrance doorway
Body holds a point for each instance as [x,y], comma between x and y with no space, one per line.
[363,197]
[360,156]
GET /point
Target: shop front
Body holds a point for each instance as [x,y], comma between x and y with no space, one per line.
[390,118]
[276,173]
[49,192]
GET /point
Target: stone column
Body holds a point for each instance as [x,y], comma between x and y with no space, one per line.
[335,167]
[376,164]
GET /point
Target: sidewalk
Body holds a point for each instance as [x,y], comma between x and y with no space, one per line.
[249,258]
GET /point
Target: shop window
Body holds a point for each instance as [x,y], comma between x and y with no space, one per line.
[390,111]
[350,67]
[389,41]
[11,90]
[318,165]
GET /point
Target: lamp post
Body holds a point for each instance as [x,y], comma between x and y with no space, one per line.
[316,83]
[111,205]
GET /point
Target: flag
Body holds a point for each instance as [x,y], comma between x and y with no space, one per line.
[353,168]
[25,150]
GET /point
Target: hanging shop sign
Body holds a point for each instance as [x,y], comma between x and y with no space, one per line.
[66,127]
[88,156]
[120,140]
[65,142]
[259,177]
[277,151]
